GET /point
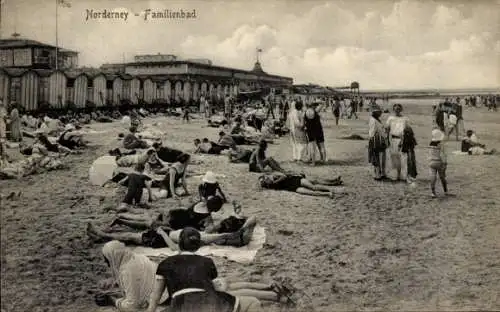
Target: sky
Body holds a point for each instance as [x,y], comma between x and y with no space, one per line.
[381,44]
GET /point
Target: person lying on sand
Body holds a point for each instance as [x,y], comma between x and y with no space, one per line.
[132,142]
[298,183]
[42,139]
[70,138]
[239,155]
[161,237]
[188,278]
[259,162]
[39,160]
[136,159]
[471,145]
[127,265]
[207,147]
[166,154]
[197,215]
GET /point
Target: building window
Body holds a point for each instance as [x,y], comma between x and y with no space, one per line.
[90,83]
[70,83]
[141,84]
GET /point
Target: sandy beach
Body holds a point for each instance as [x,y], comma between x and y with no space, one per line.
[384,246]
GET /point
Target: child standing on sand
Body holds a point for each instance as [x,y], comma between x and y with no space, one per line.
[438,161]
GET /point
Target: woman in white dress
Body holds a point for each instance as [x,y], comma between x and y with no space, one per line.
[395,126]
[297,133]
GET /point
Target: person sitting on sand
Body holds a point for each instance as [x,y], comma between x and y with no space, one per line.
[136,182]
[176,176]
[210,187]
[471,145]
[133,273]
[132,142]
[125,265]
[225,140]
[259,162]
[298,183]
[188,279]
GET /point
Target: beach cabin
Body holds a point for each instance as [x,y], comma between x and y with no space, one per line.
[196,91]
[81,90]
[43,86]
[117,93]
[178,91]
[204,88]
[168,91]
[28,89]
[57,89]
[4,86]
[219,92]
[212,90]
[187,91]
[160,88]
[135,90]
[149,90]
[13,92]
[226,90]
[126,80]
[99,84]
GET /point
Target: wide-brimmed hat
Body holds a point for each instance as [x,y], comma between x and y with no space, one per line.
[437,135]
[210,178]
[376,108]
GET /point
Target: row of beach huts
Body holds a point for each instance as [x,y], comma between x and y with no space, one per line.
[31,89]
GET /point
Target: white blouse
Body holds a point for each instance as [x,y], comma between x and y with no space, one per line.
[397,124]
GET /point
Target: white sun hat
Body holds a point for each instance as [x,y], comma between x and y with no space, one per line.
[437,135]
[209,178]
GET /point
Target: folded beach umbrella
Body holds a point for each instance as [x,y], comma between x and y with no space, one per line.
[102,170]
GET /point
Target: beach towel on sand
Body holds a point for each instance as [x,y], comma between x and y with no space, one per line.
[245,254]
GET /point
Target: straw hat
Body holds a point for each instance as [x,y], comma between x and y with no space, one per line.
[437,135]
[209,178]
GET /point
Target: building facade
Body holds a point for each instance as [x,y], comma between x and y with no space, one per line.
[196,73]
[23,53]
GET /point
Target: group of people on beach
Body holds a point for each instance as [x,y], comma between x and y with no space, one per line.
[397,138]
[188,281]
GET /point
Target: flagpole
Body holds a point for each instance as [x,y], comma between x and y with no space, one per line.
[57,36]
[1,9]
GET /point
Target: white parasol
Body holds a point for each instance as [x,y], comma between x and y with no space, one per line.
[102,170]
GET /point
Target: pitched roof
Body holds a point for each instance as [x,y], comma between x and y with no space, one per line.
[22,43]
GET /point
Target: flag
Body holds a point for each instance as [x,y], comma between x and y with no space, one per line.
[259,50]
[63,3]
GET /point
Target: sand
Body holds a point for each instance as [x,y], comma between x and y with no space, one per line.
[381,247]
